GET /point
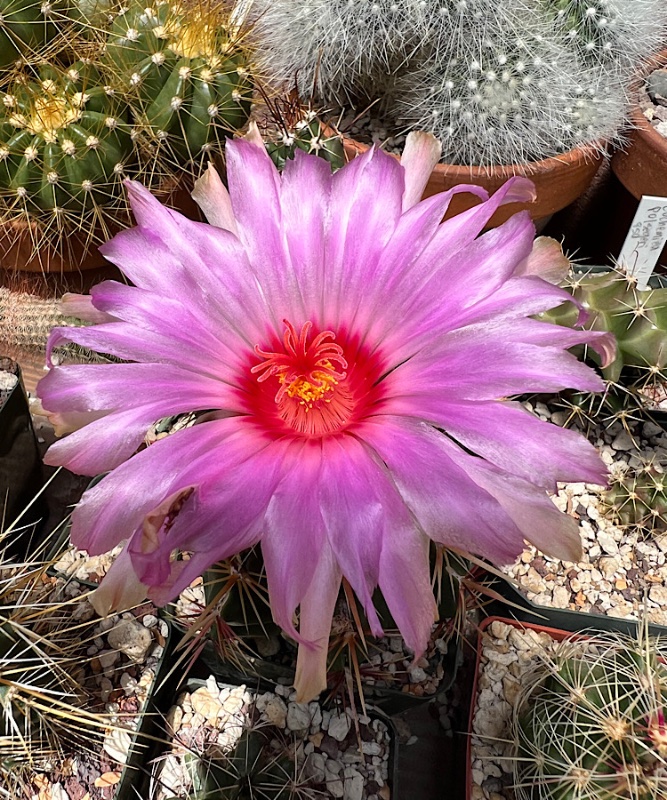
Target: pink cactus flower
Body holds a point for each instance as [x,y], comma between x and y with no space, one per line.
[354,353]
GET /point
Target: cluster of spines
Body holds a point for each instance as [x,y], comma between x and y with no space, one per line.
[42,652]
[590,722]
[638,499]
[497,82]
[637,317]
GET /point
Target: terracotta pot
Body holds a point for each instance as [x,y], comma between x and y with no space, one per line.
[641,166]
[555,633]
[559,181]
[74,252]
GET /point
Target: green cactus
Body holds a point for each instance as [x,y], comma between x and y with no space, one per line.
[637,318]
[64,141]
[42,651]
[639,499]
[252,769]
[296,126]
[185,73]
[26,26]
[590,722]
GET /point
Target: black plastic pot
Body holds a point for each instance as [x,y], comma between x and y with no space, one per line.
[260,685]
[149,736]
[21,479]
[517,606]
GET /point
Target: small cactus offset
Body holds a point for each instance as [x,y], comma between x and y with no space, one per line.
[590,722]
[291,125]
[184,71]
[498,82]
[639,499]
[637,318]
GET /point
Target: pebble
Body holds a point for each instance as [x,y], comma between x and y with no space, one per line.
[298,717]
[339,727]
[132,638]
[117,744]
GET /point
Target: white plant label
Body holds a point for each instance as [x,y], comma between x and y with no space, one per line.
[645,240]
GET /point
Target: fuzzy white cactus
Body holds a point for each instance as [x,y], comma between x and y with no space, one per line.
[499,81]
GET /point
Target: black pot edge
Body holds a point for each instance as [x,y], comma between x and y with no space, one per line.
[517,606]
[391,701]
[265,685]
[135,776]
[23,540]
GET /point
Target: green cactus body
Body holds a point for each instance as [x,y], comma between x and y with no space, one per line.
[639,499]
[184,74]
[308,135]
[590,723]
[638,319]
[25,27]
[64,141]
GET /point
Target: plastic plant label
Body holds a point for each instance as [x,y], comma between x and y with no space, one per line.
[645,240]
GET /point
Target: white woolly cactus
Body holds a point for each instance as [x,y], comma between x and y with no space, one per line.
[498,81]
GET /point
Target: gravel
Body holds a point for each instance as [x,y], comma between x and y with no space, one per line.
[623,572]
[336,755]
[508,654]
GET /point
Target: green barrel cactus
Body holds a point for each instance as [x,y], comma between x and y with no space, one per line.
[639,499]
[590,722]
[638,319]
[64,142]
[26,26]
[185,73]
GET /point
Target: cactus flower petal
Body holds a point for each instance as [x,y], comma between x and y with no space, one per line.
[212,197]
[420,155]
[351,359]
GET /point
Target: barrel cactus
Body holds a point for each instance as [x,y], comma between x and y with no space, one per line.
[590,722]
[637,318]
[26,26]
[185,74]
[498,82]
[64,143]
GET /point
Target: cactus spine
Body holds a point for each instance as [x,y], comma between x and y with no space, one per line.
[639,499]
[498,82]
[185,74]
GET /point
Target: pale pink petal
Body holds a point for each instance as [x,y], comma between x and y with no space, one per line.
[120,588]
[421,153]
[316,613]
[211,195]
[546,260]
[81,306]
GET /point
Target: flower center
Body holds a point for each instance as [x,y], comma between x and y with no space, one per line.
[311,387]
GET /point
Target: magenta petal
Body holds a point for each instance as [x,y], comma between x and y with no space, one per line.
[359,505]
[293,534]
[405,581]
[445,502]
[113,509]
[554,533]
[514,440]
[81,306]
[223,515]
